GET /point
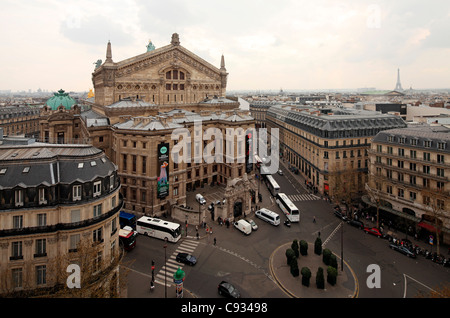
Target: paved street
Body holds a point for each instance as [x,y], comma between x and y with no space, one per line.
[245,260]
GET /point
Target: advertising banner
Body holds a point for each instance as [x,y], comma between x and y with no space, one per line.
[163,170]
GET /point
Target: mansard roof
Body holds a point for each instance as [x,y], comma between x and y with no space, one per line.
[324,122]
[50,164]
[423,136]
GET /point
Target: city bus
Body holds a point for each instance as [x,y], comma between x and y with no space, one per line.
[272,185]
[288,208]
[127,238]
[127,219]
[158,228]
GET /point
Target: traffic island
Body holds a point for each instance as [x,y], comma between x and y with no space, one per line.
[346,285]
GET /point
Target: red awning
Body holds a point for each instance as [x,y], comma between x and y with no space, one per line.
[428,227]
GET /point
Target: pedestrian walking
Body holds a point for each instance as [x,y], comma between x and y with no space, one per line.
[314,219]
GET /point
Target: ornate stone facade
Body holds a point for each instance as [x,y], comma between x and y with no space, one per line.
[170,75]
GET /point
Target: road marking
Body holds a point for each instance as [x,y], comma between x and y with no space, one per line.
[332,234]
[245,260]
[302,197]
[185,250]
[406,276]
[166,272]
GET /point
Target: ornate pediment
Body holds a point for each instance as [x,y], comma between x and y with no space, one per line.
[172,56]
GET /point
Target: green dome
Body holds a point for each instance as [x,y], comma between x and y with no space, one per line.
[60,98]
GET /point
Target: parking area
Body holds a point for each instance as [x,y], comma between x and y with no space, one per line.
[210,193]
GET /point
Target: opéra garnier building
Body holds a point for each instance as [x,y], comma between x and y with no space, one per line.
[138,104]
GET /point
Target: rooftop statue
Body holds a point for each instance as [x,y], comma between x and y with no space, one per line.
[98,63]
[150,46]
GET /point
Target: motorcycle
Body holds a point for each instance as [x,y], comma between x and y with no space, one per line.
[417,250]
[287,223]
[438,259]
[428,255]
[446,262]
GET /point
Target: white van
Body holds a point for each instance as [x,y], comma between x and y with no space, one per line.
[243,226]
[200,199]
[268,216]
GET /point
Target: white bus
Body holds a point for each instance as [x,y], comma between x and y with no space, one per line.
[272,185]
[159,229]
[288,208]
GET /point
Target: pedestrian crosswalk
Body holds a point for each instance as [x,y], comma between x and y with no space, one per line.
[165,274]
[303,197]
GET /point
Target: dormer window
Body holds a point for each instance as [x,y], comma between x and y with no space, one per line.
[76,192]
[42,199]
[18,198]
[97,188]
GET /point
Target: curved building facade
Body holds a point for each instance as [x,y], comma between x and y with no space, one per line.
[54,197]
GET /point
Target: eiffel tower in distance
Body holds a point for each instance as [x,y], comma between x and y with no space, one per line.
[398,86]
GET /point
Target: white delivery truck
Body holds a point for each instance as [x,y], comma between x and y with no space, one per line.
[243,226]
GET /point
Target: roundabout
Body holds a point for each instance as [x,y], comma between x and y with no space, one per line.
[345,287]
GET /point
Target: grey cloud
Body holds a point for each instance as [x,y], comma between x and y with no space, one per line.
[94,30]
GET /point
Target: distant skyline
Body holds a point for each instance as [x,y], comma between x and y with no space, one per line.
[267,45]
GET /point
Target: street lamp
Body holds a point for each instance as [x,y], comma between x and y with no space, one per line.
[165,268]
[342,245]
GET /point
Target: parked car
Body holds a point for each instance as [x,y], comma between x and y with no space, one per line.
[253,224]
[339,214]
[228,290]
[402,249]
[373,231]
[186,259]
[356,223]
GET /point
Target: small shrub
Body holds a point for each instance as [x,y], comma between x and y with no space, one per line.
[318,246]
[295,248]
[303,247]
[294,267]
[331,275]
[326,254]
[320,280]
[333,261]
[290,254]
[306,276]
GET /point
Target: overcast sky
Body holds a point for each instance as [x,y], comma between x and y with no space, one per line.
[267,44]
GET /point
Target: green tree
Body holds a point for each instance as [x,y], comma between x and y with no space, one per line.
[303,247]
[306,276]
[320,279]
[290,254]
[331,275]
[326,254]
[294,267]
[333,261]
[295,248]
[318,246]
